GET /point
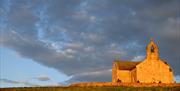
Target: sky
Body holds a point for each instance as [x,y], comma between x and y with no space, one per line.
[57,42]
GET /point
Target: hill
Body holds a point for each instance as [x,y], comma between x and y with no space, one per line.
[97,88]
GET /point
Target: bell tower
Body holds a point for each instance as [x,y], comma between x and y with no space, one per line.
[152,51]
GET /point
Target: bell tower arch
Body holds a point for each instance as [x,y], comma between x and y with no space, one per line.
[152,50]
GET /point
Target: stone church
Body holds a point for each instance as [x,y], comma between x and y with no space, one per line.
[150,70]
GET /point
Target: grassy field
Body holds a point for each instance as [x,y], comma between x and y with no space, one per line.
[119,88]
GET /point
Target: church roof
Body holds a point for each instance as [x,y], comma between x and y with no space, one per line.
[126,65]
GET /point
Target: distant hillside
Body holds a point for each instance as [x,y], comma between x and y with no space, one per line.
[109,84]
[103,88]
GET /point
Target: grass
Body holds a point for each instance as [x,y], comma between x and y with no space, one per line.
[119,88]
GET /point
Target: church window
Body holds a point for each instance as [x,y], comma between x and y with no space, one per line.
[165,62]
[152,49]
[170,69]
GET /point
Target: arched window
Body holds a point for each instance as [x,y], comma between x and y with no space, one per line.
[152,49]
[170,69]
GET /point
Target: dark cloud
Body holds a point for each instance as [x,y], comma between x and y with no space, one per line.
[98,76]
[17,82]
[43,78]
[82,38]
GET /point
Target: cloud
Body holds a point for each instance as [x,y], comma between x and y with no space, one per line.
[54,84]
[77,37]
[17,82]
[177,78]
[99,76]
[74,45]
[43,78]
[138,58]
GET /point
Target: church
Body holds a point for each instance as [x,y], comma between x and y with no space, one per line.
[150,70]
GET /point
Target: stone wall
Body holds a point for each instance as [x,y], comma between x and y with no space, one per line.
[114,73]
[154,71]
[133,75]
[124,75]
